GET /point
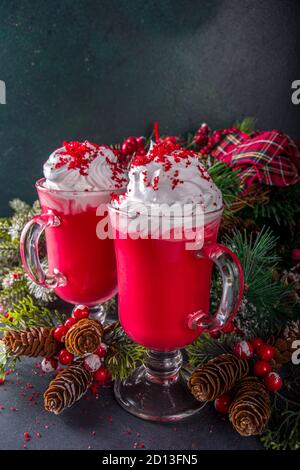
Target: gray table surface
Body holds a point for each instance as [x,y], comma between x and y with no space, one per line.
[100,423]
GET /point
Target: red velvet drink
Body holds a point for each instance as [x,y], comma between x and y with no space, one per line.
[169,282]
[164,282]
[74,249]
[79,179]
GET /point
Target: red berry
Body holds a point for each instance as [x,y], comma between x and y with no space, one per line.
[60,333]
[243,349]
[129,146]
[102,376]
[228,328]
[70,322]
[171,139]
[101,350]
[26,436]
[65,357]
[215,334]
[273,382]
[265,352]
[222,403]
[204,129]
[140,142]
[141,152]
[261,368]
[256,343]
[200,139]
[49,364]
[79,312]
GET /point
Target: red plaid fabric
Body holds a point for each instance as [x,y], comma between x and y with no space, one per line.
[270,158]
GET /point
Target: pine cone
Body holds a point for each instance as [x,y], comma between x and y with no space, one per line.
[250,409]
[217,376]
[283,344]
[31,342]
[68,386]
[84,337]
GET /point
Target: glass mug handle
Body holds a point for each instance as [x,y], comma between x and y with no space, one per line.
[233,284]
[29,249]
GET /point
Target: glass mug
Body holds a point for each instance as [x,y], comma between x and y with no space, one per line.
[81,267]
[164,293]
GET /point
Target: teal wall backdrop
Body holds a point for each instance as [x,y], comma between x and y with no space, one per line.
[106,69]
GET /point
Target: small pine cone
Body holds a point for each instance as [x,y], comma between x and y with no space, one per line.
[84,337]
[32,342]
[250,409]
[68,386]
[217,376]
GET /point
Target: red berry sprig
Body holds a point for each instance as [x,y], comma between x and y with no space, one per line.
[273,382]
[80,312]
[133,145]
[102,376]
[206,141]
[263,368]
[265,352]
[60,333]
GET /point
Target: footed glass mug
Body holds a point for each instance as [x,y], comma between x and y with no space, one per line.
[164,294]
[81,266]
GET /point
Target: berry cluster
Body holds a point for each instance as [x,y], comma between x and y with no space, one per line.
[263,354]
[136,146]
[133,145]
[92,362]
[207,141]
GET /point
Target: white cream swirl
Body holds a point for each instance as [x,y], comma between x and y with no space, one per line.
[84,167]
[177,177]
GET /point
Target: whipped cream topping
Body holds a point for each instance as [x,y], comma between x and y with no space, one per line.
[83,166]
[169,174]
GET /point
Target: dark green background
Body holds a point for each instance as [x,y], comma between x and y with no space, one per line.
[105,69]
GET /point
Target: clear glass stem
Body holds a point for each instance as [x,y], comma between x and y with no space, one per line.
[97,312]
[162,367]
[157,390]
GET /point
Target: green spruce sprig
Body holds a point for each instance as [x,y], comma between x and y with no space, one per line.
[123,355]
[26,314]
[283,430]
[205,348]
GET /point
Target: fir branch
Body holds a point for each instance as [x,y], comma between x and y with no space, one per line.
[19,206]
[123,354]
[5,224]
[266,301]
[226,180]
[258,257]
[25,314]
[283,207]
[9,253]
[6,362]
[10,295]
[206,348]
